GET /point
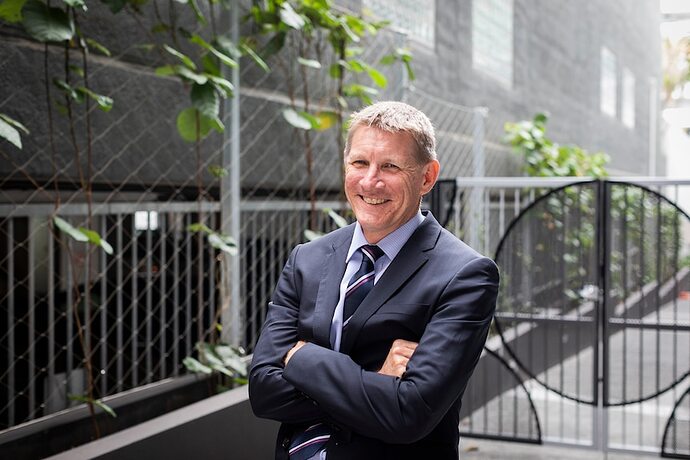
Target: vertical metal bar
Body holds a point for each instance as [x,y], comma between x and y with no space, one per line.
[657,307]
[212,307]
[11,391]
[149,300]
[516,202]
[177,243]
[70,316]
[188,285]
[118,301]
[230,201]
[501,212]
[599,424]
[51,311]
[135,304]
[578,235]
[642,207]
[103,341]
[162,275]
[624,282]
[32,316]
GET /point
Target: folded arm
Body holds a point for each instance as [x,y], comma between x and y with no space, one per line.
[403,410]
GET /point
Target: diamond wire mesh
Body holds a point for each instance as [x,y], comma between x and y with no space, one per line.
[158,293]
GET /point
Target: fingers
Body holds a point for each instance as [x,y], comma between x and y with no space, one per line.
[399,355]
[403,347]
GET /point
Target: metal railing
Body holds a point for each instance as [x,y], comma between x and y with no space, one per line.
[594,310]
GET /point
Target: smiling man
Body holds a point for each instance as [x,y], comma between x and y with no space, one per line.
[374,329]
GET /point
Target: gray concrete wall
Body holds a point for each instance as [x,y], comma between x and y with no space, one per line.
[220,427]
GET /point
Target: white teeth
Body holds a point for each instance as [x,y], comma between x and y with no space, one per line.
[373,200]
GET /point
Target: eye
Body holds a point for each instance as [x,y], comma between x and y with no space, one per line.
[389,166]
[358,163]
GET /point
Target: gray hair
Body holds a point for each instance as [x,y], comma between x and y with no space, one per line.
[396,117]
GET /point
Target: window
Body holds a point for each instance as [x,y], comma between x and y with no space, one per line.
[416,17]
[628,99]
[145,220]
[608,82]
[492,39]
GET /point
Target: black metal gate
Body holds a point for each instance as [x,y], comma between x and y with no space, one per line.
[591,340]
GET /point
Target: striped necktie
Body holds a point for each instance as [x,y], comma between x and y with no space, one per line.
[361,282]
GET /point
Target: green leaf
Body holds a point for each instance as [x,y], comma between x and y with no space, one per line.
[223,243]
[290,17]
[69,90]
[198,227]
[337,218]
[76,4]
[186,60]
[11,10]
[224,58]
[187,125]
[255,57]
[205,99]
[221,84]
[377,77]
[218,171]
[68,229]
[9,130]
[166,70]
[106,408]
[195,366]
[326,120]
[296,119]
[105,103]
[311,235]
[98,47]
[9,133]
[313,63]
[96,402]
[46,24]
[95,239]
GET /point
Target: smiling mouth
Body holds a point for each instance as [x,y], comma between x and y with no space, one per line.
[373,200]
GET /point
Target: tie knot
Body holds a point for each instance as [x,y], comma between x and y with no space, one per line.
[372,251]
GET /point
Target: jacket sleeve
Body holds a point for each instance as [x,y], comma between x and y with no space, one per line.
[270,395]
[404,410]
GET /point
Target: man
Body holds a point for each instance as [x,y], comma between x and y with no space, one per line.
[374,329]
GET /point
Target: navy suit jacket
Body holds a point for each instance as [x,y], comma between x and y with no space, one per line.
[437,291]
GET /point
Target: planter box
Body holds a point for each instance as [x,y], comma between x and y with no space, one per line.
[219,427]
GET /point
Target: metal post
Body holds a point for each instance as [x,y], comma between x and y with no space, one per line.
[230,203]
[475,216]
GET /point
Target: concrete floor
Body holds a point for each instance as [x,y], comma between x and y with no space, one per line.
[476,449]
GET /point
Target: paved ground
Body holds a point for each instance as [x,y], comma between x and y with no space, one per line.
[479,449]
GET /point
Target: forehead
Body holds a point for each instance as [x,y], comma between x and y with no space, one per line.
[368,140]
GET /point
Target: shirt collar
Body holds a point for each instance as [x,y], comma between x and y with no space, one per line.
[392,243]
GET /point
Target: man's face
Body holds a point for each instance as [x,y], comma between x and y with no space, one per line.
[384,181]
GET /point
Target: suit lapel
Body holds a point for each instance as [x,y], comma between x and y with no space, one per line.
[332,273]
[409,260]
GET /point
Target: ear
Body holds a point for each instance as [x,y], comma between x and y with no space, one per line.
[431,171]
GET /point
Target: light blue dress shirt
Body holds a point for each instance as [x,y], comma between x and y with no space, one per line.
[391,245]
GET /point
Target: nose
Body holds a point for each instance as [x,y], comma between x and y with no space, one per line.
[371,177]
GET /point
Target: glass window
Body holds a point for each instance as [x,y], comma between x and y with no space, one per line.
[416,17]
[492,39]
[628,99]
[608,82]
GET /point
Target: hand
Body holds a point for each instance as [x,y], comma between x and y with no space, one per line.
[292,351]
[398,356]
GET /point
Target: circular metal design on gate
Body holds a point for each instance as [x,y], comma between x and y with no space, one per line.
[591,265]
